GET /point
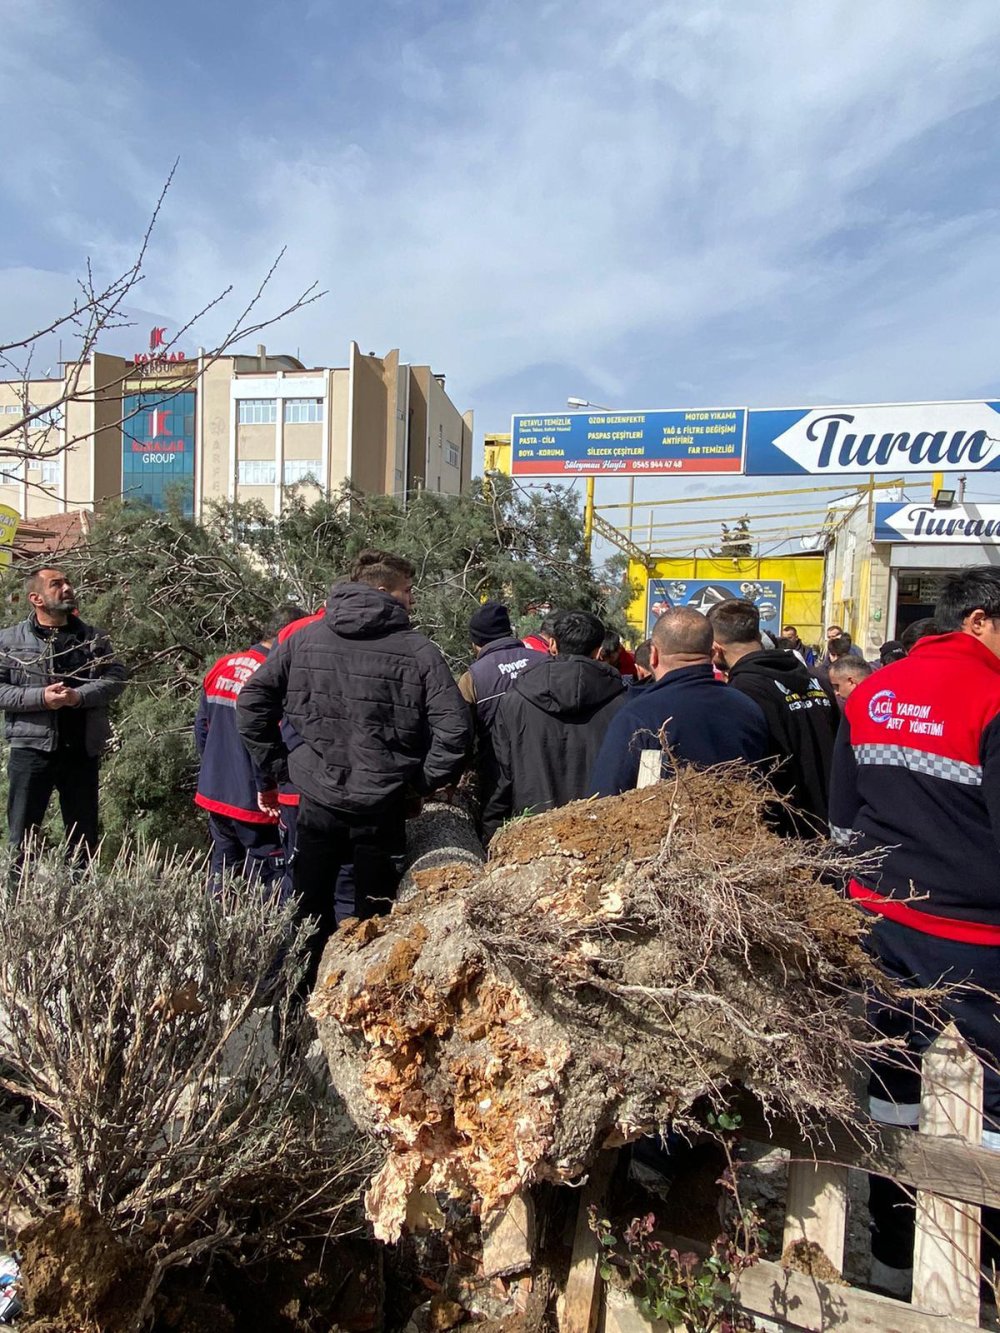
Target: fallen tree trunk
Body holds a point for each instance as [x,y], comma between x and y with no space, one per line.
[614,962]
[441,835]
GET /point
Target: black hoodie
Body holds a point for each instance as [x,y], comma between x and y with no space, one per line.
[802,719]
[371,702]
[546,735]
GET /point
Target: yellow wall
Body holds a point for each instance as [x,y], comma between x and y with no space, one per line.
[496,454]
[802,576]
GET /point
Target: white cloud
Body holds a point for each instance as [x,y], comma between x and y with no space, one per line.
[630,193]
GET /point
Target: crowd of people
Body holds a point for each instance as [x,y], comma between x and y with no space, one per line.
[319,740]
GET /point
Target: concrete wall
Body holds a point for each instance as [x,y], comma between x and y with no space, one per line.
[369,421]
[107,378]
[857,588]
[449,437]
[420,391]
[338,426]
[212,468]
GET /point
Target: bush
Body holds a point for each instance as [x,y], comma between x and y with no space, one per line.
[146,1090]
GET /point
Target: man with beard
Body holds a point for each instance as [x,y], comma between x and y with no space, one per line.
[57,677]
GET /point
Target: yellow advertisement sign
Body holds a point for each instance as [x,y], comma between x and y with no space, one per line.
[9,519]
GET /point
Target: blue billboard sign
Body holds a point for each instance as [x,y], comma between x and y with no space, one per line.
[698,440]
[158,448]
[881,437]
[703,594]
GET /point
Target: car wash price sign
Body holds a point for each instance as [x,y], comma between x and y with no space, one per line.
[697,440]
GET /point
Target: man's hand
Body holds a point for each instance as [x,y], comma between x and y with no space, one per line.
[72,697]
[60,695]
[267,801]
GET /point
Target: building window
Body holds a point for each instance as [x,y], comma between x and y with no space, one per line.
[43,421]
[298,469]
[453,456]
[258,411]
[299,410]
[46,420]
[51,471]
[257,472]
[12,469]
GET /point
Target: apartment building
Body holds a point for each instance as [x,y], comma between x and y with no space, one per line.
[197,430]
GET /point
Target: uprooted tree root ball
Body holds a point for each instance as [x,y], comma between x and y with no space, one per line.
[614,962]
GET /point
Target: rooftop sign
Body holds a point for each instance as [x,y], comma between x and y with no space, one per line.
[798,441]
[881,437]
[626,443]
[157,358]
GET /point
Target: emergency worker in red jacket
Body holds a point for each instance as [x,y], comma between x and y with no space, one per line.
[245,837]
[916,779]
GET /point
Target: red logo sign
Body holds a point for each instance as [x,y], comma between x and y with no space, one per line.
[156,358]
[158,423]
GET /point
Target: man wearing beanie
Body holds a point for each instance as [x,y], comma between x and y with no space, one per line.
[501,658]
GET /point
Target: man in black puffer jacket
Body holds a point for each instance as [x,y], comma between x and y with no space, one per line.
[550,724]
[802,717]
[376,715]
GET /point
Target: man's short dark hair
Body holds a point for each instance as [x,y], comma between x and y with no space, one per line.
[683,631]
[840,646]
[381,569]
[976,589]
[919,629]
[642,654]
[849,665]
[612,642]
[547,628]
[33,579]
[285,614]
[789,629]
[577,633]
[735,622]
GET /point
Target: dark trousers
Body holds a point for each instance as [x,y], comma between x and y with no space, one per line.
[289,831]
[345,866]
[33,775]
[915,959]
[254,851]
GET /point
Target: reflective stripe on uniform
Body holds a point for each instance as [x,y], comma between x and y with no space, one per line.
[920,761]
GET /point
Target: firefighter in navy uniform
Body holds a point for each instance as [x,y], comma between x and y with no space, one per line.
[916,779]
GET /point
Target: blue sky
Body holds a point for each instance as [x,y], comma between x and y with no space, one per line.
[648,205]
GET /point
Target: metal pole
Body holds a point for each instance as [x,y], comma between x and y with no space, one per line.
[588,517]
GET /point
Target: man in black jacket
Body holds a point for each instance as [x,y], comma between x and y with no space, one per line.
[550,724]
[802,717]
[376,714]
[702,721]
[57,677]
[501,657]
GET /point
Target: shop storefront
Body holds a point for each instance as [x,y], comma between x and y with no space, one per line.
[887,562]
